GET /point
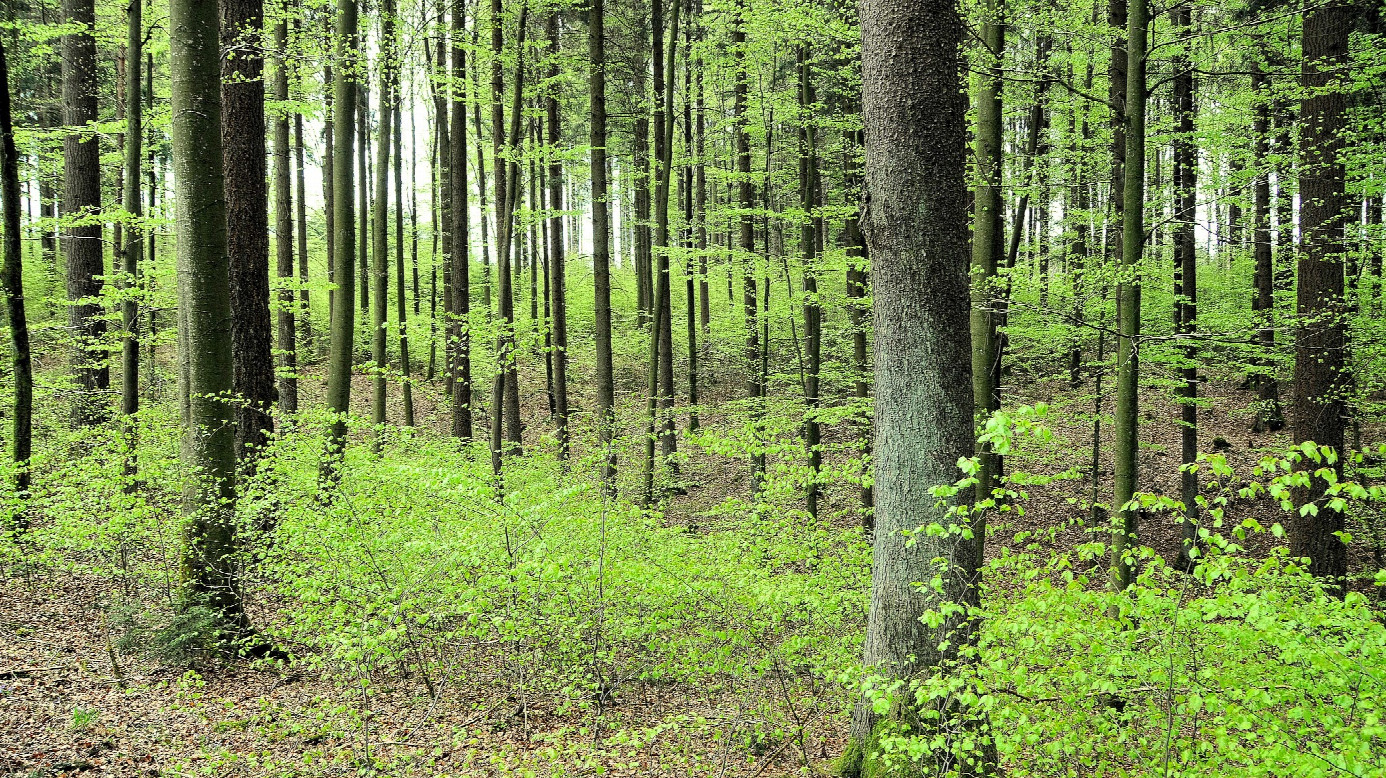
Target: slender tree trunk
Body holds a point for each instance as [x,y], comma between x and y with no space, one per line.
[329,210]
[1268,412]
[601,241]
[82,245]
[813,314]
[558,283]
[687,242]
[363,172]
[401,296]
[986,237]
[916,227]
[284,226]
[1321,330]
[209,573]
[747,240]
[1127,472]
[133,250]
[380,225]
[304,323]
[343,328]
[21,430]
[481,182]
[1185,174]
[461,237]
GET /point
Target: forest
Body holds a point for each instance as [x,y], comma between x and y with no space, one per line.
[891,388]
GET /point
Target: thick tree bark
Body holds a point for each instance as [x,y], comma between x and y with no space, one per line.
[82,245]
[284,228]
[343,329]
[601,241]
[915,224]
[247,237]
[209,573]
[1321,329]
[12,276]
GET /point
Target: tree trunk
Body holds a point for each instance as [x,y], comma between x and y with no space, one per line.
[1321,329]
[380,226]
[813,313]
[1269,417]
[460,210]
[343,328]
[987,239]
[82,245]
[1127,471]
[329,210]
[13,279]
[247,235]
[915,224]
[284,227]
[601,241]
[558,284]
[133,251]
[1185,174]
[209,573]
[401,296]
[747,242]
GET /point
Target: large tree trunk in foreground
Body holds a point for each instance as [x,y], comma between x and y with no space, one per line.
[204,314]
[247,203]
[916,227]
[82,196]
[1321,332]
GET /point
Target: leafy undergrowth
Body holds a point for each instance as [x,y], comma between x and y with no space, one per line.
[440,630]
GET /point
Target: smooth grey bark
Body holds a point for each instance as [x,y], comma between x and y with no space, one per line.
[380,225]
[916,227]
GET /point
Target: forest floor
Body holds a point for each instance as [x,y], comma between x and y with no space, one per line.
[71,706]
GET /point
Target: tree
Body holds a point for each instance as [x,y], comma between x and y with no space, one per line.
[558,283]
[755,385]
[461,237]
[380,224]
[601,241]
[247,203]
[284,224]
[915,225]
[987,237]
[82,203]
[12,276]
[343,323]
[1185,175]
[813,313]
[1321,329]
[210,577]
[133,250]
